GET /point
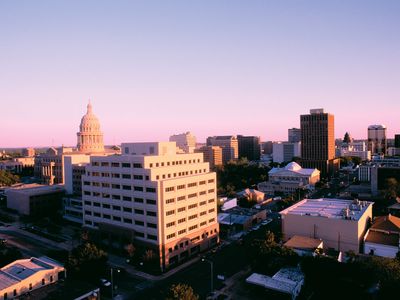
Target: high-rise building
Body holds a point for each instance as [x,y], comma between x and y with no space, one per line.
[377,142]
[185,141]
[229,145]
[318,142]
[212,155]
[294,135]
[153,196]
[249,147]
[397,140]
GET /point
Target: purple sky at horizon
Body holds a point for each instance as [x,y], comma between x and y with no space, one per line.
[157,68]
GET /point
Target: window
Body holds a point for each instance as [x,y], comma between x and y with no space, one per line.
[138,188]
[126,198]
[86,193]
[151,213]
[192,217]
[105,216]
[202,193]
[181,220]
[87,212]
[203,213]
[96,204]
[168,201]
[106,185]
[140,223]
[104,195]
[15,292]
[43,281]
[150,190]
[181,231]
[210,180]
[105,164]
[170,212]
[152,237]
[116,197]
[192,184]
[96,194]
[127,209]
[88,203]
[115,186]
[170,236]
[137,165]
[139,234]
[192,227]
[192,195]
[126,165]
[211,220]
[211,200]
[126,187]
[106,205]
[95,164]
[96,214]
[192,206]
[114,164]
[180,198]
[181,209]
[105,174]
[115,218]
[151,225]
[86,183]
[139,211]
[138,177]
[126,150]
[170,224]
[139,200]
[151,201]
[30,286]
[115,175]
[203,223]
[180,187]
[169,189]
[211,210]
[126,220]
[202,182]
[126,176]
[211,191]
[203,203]
[116,207]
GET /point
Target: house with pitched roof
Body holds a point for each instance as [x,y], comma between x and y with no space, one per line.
[383,238]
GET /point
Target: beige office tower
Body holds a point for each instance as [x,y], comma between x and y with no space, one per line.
[185,141]
[212,155]
[229,145]
[155,197]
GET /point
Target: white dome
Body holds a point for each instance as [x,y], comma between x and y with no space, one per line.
[293,166]
[89,122]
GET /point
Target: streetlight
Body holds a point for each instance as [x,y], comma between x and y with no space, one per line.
[211,267]
[112,282]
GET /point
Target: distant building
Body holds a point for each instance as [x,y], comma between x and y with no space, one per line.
[28,152]
[251,195]
[153,196]
[267,148]
[379,176]
[377,142]
[340,224]
[229,145]
[240,218]
[294,135]
[289,179]
[354,149]
[318,142]
[17,165]
[285,151]
[27,275]
[185,141]
[35,199]
[212,155]
[397,140]
[249,147]
[383,238]
[303,245]
[285,281]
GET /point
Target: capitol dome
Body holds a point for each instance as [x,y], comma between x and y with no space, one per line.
[90,137]
[293,166]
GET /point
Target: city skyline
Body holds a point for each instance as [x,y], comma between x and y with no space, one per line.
[153,70]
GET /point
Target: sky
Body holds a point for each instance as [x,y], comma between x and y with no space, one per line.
[157,68]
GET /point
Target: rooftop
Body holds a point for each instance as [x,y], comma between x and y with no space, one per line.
[303,242]
[387,223]
[286,280]
[24,268]
[36,189]
[379,237]
[329,208]
[293,167]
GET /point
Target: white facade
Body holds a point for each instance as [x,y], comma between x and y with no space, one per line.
[185,141]
[377,142]
[161,198]
[25,275]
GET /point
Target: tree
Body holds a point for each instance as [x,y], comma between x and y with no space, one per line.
[7,179]
[87,260]
[181,291]
[149,255]
[130,250]
[392,188]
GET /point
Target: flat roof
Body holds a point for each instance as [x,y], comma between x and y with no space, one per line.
[329,208]
[303,242]
[286,280]
[24,268]
[35,189]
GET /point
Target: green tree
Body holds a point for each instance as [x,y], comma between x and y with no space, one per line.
[392,188]
[130,250]
[181,291]
[87,261]
[7,178]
